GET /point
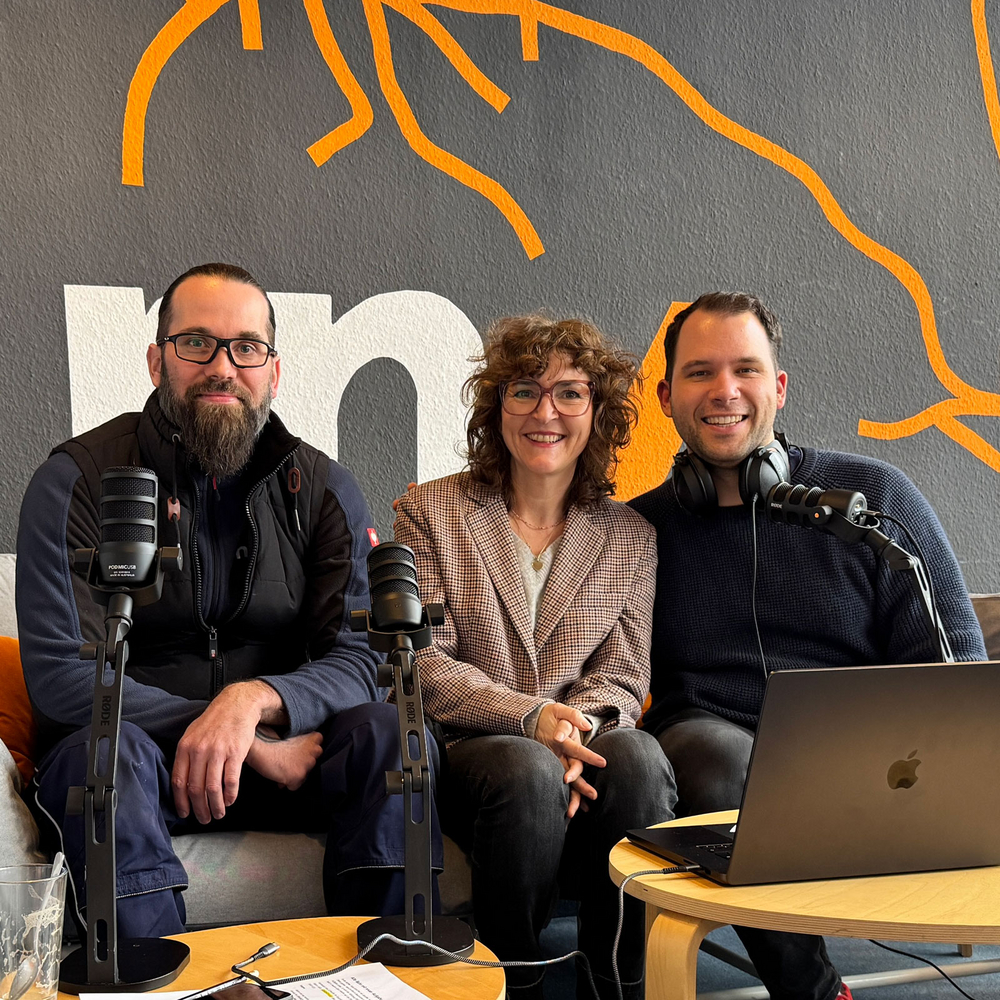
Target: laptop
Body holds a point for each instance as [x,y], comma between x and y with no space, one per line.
[860,771]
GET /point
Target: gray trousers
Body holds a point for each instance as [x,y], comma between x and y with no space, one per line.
[710,756]
[503,799]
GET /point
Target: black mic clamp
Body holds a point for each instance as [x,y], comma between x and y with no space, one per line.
[87,564]
[386,641]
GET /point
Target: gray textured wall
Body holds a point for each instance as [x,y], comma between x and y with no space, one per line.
[637,201]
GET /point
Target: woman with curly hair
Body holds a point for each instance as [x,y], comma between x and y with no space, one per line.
[538,674]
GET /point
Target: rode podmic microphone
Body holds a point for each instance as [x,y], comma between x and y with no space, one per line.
[398,625]
[123,571]
[392,583]
[127,551]
[811,507]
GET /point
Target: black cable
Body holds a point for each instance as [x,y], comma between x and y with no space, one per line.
[753,590]
[911,540]
[269,949]
[920,958]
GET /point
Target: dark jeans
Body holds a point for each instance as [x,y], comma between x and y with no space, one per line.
[504,801]
[344,796]
[710,756]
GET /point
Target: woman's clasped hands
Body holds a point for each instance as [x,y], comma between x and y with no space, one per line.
[561,729]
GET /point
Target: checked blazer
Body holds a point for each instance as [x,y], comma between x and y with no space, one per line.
[590,649]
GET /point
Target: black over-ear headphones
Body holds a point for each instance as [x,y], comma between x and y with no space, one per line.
[759,473]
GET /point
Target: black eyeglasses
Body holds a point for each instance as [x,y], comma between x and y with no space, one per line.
[522,397]
[200,349]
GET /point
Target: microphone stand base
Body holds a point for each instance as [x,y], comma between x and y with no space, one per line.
[450,933]
[143,964]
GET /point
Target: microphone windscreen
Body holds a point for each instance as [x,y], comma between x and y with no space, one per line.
[128,505]
[128,524]
[812,507]
[794,504]
[392,583]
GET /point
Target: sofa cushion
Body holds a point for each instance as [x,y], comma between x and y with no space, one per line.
[17,724]
[8,613]
[243,877]
[246,877]
[18,833]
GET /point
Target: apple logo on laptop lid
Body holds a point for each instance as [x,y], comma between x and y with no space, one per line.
[903,773]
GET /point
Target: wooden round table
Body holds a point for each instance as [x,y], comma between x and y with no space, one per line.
[314,945]
[962,906]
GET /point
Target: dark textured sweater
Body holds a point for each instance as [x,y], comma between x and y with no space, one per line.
[821,602]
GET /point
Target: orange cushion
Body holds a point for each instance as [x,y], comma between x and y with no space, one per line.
[17,724]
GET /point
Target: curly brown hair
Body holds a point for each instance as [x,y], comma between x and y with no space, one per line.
[520,347]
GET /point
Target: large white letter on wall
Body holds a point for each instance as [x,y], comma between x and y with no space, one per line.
[108,329]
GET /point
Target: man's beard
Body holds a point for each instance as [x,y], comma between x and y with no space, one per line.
[220,436]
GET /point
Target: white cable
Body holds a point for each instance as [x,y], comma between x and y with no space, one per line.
[483,963]
[69,874]
[675,869]
[621,912]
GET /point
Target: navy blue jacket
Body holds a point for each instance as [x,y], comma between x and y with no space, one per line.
[270,578]
[820,602]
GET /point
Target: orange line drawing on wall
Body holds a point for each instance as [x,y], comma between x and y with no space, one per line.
[967,400]
[250,24]
[419,142]
[362,115]
[644,462]
[986,69]
[167,41]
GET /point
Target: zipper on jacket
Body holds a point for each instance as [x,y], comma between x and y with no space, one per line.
[194,552]
[214,658]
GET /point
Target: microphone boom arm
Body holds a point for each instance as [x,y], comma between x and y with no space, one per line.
[897,559]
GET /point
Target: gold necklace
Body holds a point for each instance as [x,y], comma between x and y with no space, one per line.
[536,557]
[537,527]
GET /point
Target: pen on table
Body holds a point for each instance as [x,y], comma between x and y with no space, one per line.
[215,989]
[269,949]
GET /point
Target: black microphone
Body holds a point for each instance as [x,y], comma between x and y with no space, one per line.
[392,583]
[811,507]
[398,625]
[127,551]
[125,570]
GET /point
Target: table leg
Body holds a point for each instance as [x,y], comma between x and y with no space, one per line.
[672,941]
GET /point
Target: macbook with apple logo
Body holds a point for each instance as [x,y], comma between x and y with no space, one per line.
[860,771]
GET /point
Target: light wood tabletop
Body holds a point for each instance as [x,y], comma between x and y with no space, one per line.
[315,945]
[954,906]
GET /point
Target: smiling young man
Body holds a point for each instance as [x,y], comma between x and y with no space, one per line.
[725,569]
[248,701]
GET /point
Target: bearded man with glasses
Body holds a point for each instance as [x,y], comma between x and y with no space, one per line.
[248,702]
